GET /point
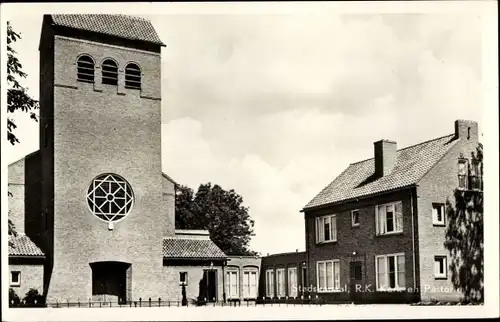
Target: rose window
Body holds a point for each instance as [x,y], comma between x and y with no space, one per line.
[110,197]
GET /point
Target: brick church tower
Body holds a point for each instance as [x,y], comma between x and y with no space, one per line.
[104,216]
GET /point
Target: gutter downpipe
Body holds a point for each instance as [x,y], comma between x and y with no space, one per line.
[413,241]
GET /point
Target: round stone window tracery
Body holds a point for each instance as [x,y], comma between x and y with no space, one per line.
[110,197]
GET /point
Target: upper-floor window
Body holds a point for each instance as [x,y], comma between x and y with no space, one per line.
[109,72]
[85,69]
[462,173]
[326,229]
[475,175]
[133,76]
[389,218]
[355,218]
[438,214]
[440,269]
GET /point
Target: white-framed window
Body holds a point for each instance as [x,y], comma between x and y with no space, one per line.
[233,284]
[440,268]
[390,272]
[326,229]
[250,283]
[132,76]
[183,278]
[438,214]
[389,218]
[328,275]
[15,278]
[270,283]
[355,218]
[462,173]
[292,281]
[280,282]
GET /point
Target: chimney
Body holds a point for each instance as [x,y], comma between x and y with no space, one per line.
[385,157]
[466,130]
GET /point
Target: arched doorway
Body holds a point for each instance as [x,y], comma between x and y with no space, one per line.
[111,281]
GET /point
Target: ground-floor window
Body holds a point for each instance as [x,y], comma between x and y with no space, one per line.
[250,284]
[183,278]
[292,281]
[390,272]
[280,282]
[15,278]
[328,273]
[270,283]
[232,284]
[440,268]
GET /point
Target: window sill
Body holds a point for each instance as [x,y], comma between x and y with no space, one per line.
[440,278]
[435,224]
[15,285]
[390,234]
[392,290]
[355,226]
[331,291]
[326,242]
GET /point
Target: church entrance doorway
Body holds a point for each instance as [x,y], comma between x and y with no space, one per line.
[111,281]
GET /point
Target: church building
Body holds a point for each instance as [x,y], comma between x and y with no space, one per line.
[93,211]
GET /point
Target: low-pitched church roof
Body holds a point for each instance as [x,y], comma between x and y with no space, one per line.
[123,26]
[358,179]
[23,246]
[191,249]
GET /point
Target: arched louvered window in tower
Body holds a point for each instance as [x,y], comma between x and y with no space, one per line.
[109,72]
[133,76]
[85,69]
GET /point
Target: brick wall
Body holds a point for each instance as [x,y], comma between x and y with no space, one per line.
[104,129]
[436,187]
[242,264]
[282,261]
[16,197]
[31,276]
[363,241]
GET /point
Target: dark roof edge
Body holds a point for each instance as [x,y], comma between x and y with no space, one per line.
[412,185]
[27,256]
[166,176]
[410,146]
[24,157]
[195,258]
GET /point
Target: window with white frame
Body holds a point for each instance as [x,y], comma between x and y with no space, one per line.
[270,283]
[326,229]
[250,283]
[355,218]
[232,284]
[440,269]
[15,278]
[438,214]
[183,278]
[328,275]
[389,218]
[390,272]
[292,281]
[462,173]
[280,282]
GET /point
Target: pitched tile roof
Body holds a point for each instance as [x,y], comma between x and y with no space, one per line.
[357,180]
[128,27]
[22,245]
[180,248]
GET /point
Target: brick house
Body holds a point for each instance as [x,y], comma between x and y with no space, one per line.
[376,232]
[94,211]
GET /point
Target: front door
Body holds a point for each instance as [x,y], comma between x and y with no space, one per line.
[210,277]
[109,281]
[356,281]
[303,279]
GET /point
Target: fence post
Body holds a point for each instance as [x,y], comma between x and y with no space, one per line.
[159,302]
[90,304]
[149,302]
[57,303]
[140,301]
[100,303]
[67,301]
[110,303]
[78,302]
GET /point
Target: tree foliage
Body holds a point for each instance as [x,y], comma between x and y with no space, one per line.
[464,239]
[220,212]
[18,98]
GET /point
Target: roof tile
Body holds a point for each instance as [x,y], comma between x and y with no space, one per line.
[412,164]
[180,248]
[22,245]
[128,27]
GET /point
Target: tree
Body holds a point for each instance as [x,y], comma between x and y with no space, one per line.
[18,98]
[464,238]
[220,212]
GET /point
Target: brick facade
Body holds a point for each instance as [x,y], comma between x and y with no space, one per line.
[297,260]
[242,264]
[31,275]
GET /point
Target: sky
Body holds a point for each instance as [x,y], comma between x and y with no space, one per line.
[275,105]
